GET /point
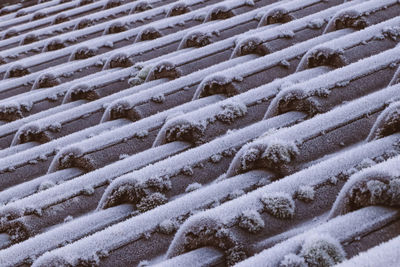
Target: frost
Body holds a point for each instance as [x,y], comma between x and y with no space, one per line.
[83,53]
[160,98]
[187,170]
[285,63]
[293,260]
[46,80]
[219,13]
[251,221]
[113,3]
[231,111]
[192,187]
[251,45]
[322,251]
[279,152]
[17,70]
[141,76]
[115,27]
[10,111]
[216,158]
[46,185]
[280,205]
[235,194]
[123,156]
[375,192]
[249,158]
[143,263]
[120,60]
[164,69]
[52,98]
[29,38]
[195,39]
[178,9]
[276,15]
[391,32]
[325,57]
[168,226]
[151,201]
[10,33]
[68,219]
[365,163]
[235,255]
[249,2]
[190,132]
[387,123]
[349,19]
[305,193]
[54,45]
[147,34]
[83,23]
[109,44]
[287,34]
[316,23]
[142,134]
[88,191]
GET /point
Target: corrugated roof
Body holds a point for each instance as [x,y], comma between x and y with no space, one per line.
[199,132]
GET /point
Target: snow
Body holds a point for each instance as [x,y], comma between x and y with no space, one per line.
[251,221]
[305,193]
[193,156]
[231,111]
[385,254]
[168,226]
[387,122]
[151,201]
[322,250]
[195,39]
[192,187]
[355,16]
[178,9]
[118,234]
[323,85]
[284,150]
[341,228]
[164,69]
[376,185]
[17,70]
[115,27]
[296,25]
[225,77]
[292,260]
[273,154]
[118,60]
[280,205]
[314,176]
[46,80]
[330,52]
[31,187]
[83,52]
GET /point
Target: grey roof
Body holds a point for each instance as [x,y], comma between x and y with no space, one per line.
[199,132]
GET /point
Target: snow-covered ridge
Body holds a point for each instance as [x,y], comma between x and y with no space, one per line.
[200,132]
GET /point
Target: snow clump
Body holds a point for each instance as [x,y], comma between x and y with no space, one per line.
[322,251]
[279,204]
[168,226]
[278,152]
[231,111]
[46,185]
[251,221]
[192,187]
[152,201]
[293,260]
[305,193]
